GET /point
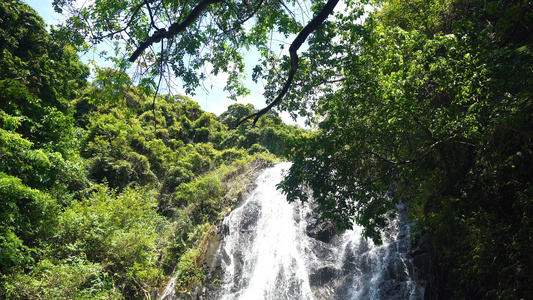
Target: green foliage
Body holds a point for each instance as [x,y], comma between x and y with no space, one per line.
[204,194]
[110,157]
[33,183]
[31,56]
[103,193]
[235,113]
[119,232]
[203,202]
[45,126]
[434,111]
[39,170]
[270,134]
[190,272]
[428,17]
[198,39]
[208,198]
[229,155]
[28,217]
[104,187]
[72,278]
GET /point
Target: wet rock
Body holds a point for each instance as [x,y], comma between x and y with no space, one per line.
[397,270]
[322,276]
[224,229]
[296,210]
[325,232]
[421,259]
[400,246]
[394,290]
[318,229]
[212,260]
[250,214]
[422,263]
[421,248]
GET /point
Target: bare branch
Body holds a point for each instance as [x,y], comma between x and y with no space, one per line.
[151,15]
[287,9]
[174,29]
[137,9]
[241,22]
[296,44]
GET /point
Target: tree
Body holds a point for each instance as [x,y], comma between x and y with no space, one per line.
[199,34]
[28,53]
[433,113]
[235,113]
[38,76]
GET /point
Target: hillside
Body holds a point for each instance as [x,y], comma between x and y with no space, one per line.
[104,194]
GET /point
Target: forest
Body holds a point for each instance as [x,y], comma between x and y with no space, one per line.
[108,187]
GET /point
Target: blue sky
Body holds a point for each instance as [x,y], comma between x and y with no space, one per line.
[213,100]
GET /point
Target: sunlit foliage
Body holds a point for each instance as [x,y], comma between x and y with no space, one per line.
[103,195]
[435,111]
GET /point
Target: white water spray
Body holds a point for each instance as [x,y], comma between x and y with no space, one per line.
[270,251]
[268,254]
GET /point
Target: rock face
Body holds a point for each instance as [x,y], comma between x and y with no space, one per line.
[420,256]
[344,268]
[322,276]
[317,228]
[306,258]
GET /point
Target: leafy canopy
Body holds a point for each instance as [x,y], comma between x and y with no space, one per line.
[210,37]
[435,111]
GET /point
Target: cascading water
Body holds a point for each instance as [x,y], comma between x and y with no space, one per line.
[275,250]
[264,253]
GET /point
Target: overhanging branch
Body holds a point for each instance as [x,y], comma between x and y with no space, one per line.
[174,29]
[296,44]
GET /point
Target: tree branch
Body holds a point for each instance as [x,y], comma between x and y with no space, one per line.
[151,15]
[296,44]
[174,29]
[136,10]
[252,14]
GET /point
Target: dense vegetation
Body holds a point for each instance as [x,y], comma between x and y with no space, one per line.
[101,194]
[436,110]
[426,102]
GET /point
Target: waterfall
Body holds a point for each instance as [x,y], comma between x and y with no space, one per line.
[272,249]
[264,252]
